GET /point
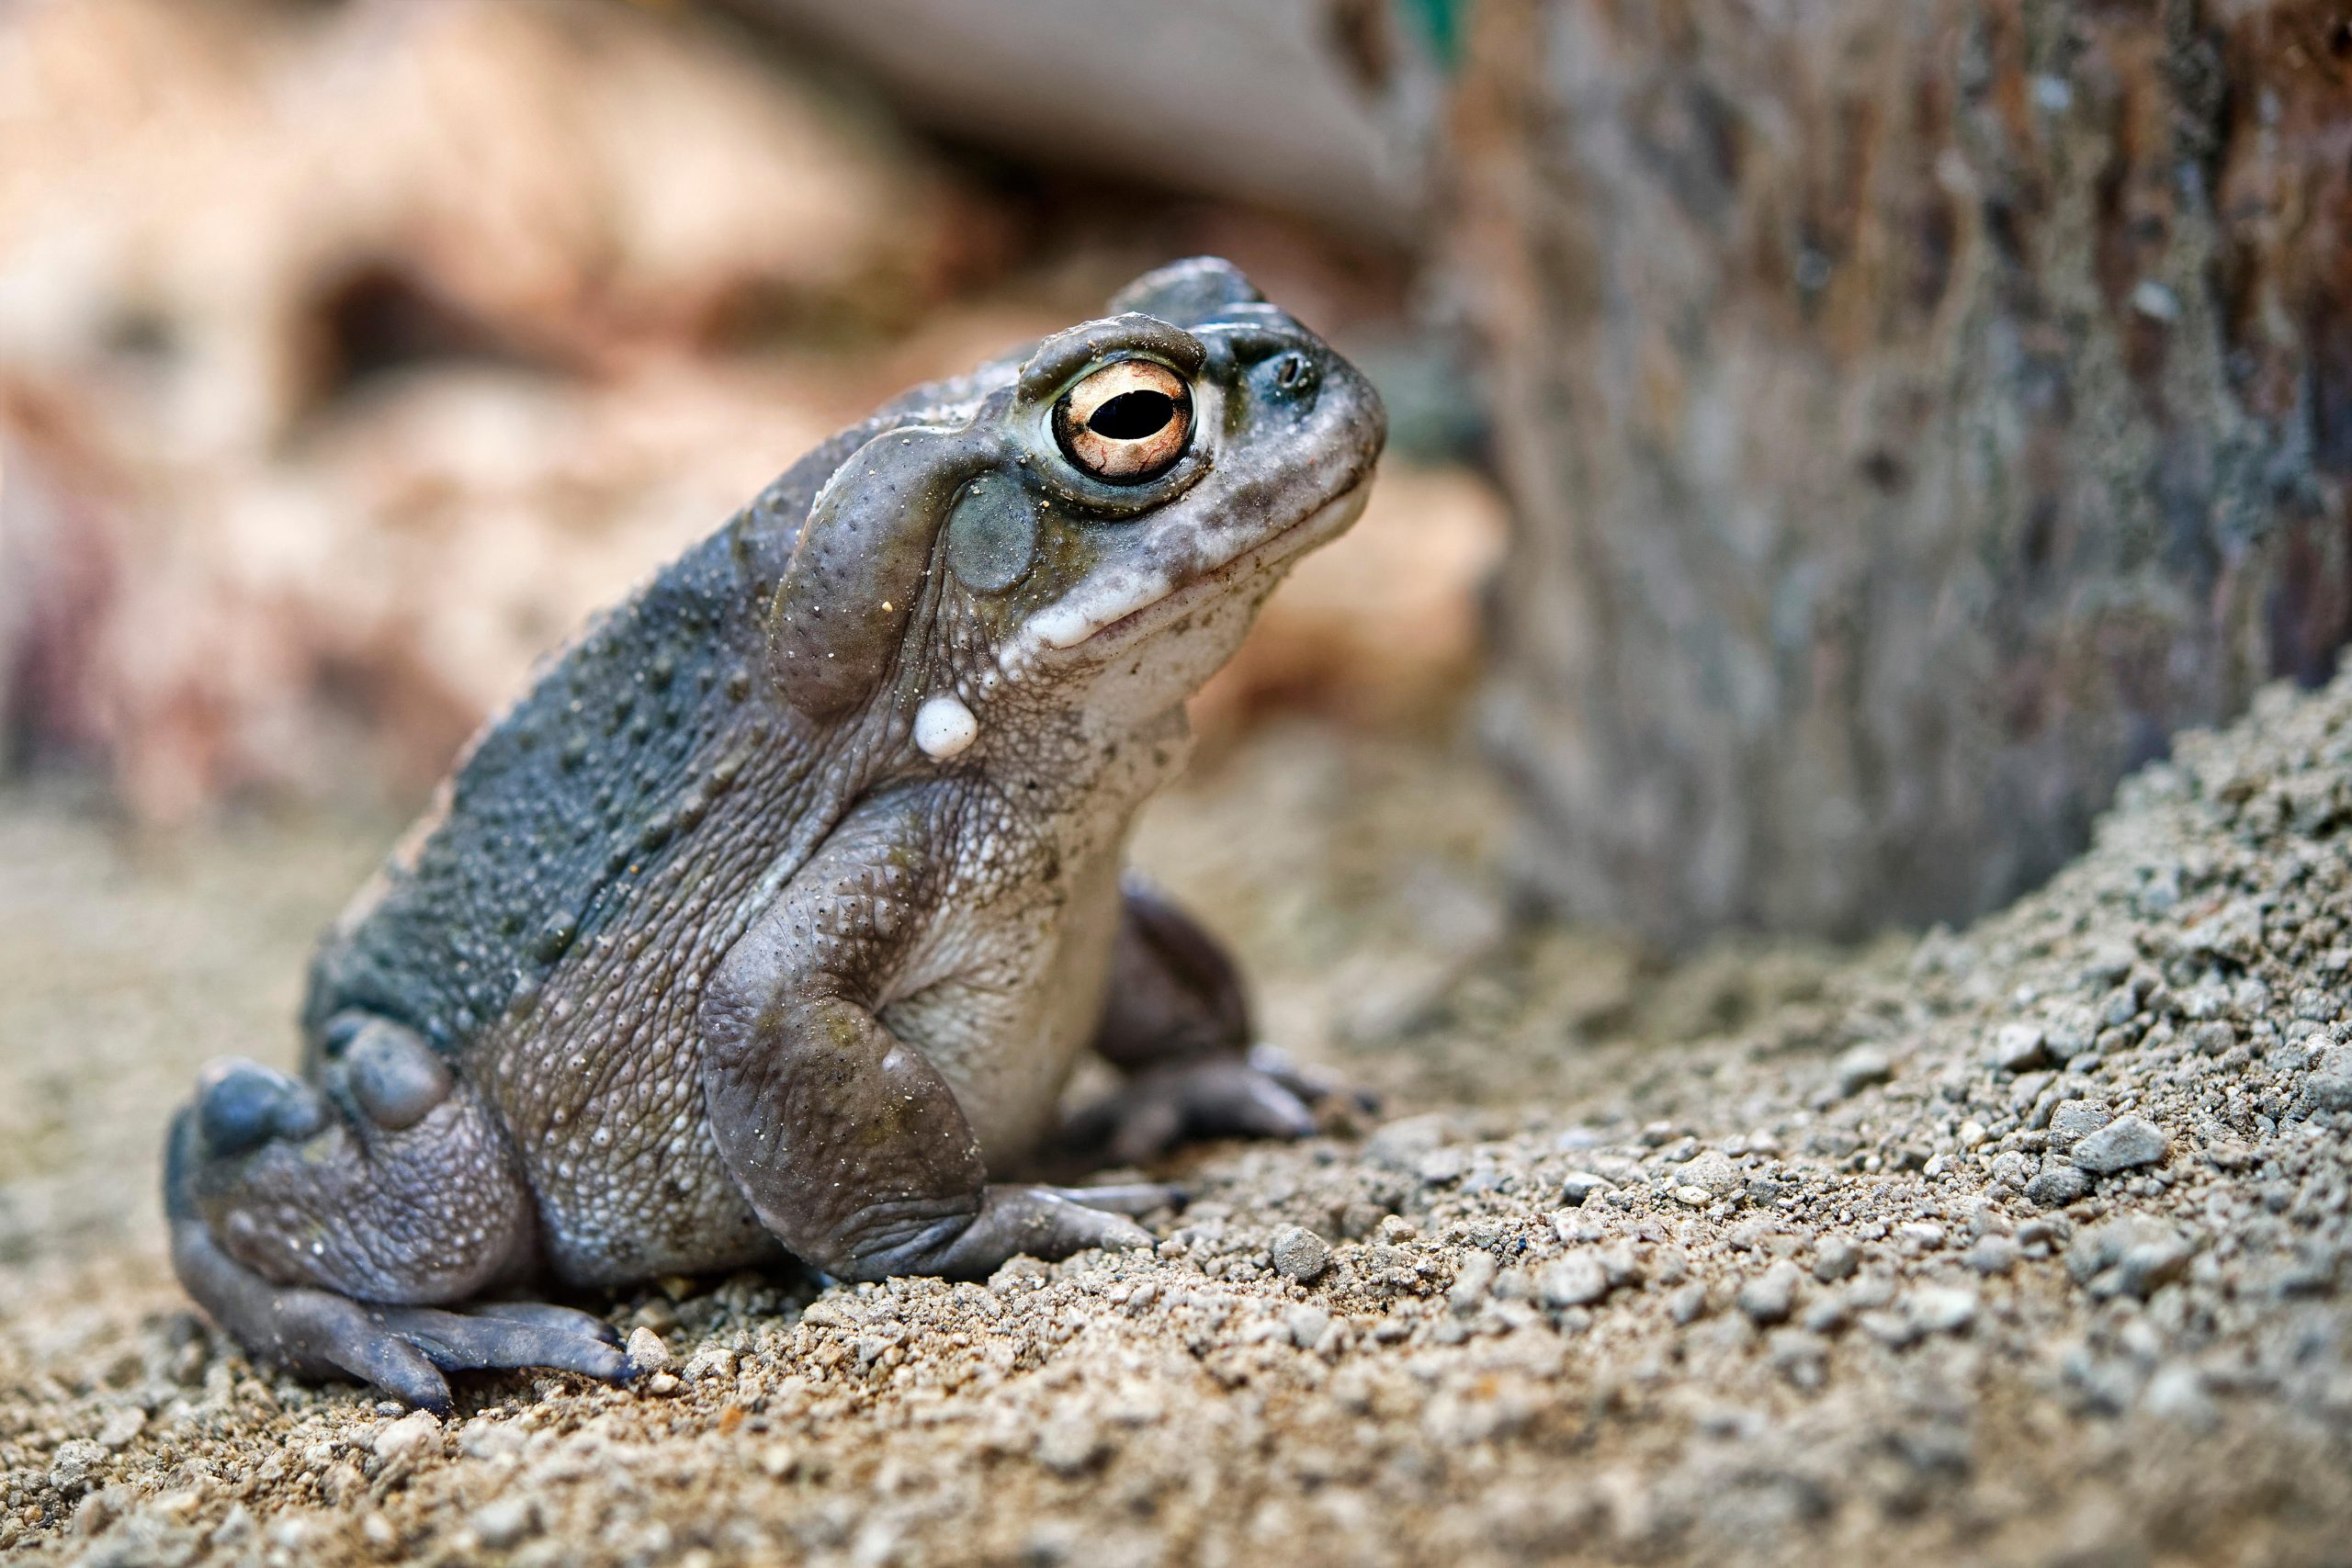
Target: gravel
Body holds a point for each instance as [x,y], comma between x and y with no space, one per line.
[1723,1292]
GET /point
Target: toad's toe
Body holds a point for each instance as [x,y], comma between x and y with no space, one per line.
[241,1105]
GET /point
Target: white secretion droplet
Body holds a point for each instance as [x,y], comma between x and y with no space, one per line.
[943,727]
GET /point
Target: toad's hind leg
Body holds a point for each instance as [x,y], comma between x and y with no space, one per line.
[326,1226]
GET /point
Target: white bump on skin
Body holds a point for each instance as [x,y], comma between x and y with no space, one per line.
[943,727]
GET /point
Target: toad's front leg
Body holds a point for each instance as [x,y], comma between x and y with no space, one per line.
[848,1143]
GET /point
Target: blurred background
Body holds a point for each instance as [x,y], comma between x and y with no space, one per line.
[1833,444]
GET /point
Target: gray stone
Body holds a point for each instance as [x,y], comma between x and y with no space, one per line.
[409,1438]
[1893,1329]
[646,1351]
[710,1361]
[2066,1037]
[1307,1325]
[1770,1297]
[1474,1282]
[1836,1258]
[2330,1084]
[1826,1313]
[1069,1443]
[506,1521]
[2071,1121]
[1688,1304]
[1942,1309]
[2126,1143]
[1441,1167]
[1578,1279]
[1993,1254]
[1299,1254]
[2020,1047]
[2133,1256]
[2058,1185]
[1860,1067]
[76,1461]
[1800,1357]
[1579,1185]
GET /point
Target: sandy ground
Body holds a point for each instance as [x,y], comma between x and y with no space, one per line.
[2019,1245]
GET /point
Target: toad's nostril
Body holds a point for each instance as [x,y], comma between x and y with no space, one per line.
[1295,373]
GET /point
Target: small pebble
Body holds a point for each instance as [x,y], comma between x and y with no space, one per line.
[710,1361]
[1800,1356]
[1860,1067]
[1578,1279]
[1942,1309]
[1473,1283]
[1836,1258]
[2058,1185]
[646,1351]
[121,1425]
[1770,1297]
[2019,1047]
[1307,1325]
[505,1521]
[1069,1444]
[1300,1255]
[2330,1084]
[2125,1144]
[409,1438]
[2074,1120]
[2133,1256]
[1925,1234]
[1993,1254]
[76,1460]
[1688,1304]
[1893,1329]
[1579,1185]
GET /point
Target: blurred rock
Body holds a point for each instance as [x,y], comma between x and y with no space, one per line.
[254,207]
[349,615]
[1320,108]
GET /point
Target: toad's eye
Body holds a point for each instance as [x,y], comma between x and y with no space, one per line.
[1126,424]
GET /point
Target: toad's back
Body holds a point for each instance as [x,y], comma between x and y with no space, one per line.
[606,777]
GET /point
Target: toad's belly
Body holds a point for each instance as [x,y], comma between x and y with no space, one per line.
[1017,994]
[603,1093]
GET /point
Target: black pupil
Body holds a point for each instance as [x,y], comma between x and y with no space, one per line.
[1131,416]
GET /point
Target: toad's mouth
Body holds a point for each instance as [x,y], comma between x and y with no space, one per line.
[1125,607]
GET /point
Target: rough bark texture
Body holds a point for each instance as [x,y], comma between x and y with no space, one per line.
[1915,413]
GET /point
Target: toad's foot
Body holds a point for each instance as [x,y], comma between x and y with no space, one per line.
[1261,1095]
[403,1350]
[325,1226]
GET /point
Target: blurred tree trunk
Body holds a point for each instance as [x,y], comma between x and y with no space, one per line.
[1914,415]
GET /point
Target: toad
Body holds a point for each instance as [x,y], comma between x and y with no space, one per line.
[774,918]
